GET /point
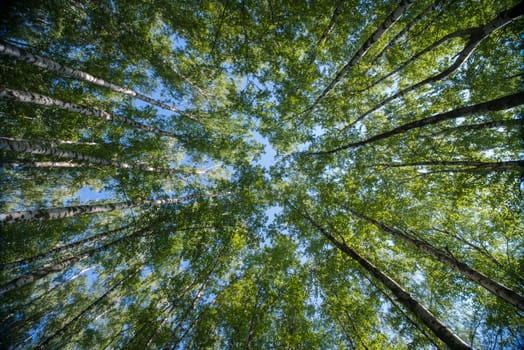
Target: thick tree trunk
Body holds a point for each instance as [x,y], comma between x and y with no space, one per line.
[51,338]
[493,105]
[494,287]
[32,147]
[476,36]
[31,97]
[64,212]
[51,65]
[424,315]
[390,20]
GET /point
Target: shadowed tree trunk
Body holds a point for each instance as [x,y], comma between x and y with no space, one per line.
[471,165]
[431,7]
[424,315]
[493,105]
[508,123]
[390,20]
[489,284]
[337,11]
[51,338]
[62,248]
[476,36]
[62,264]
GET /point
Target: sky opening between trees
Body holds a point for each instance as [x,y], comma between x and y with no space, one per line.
[270,174]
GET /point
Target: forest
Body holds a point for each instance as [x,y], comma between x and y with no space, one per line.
[261,174]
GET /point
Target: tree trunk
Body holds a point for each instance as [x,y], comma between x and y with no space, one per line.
[493,105]
[494,287]
[62,248]
[32,147]
[65,212]
[32,97]
[51,65]
[476,35]
[61,265]
[424,315]
[46,342]
[473,165]
[390,20]
[337,11]
[507,123]
[14,165]
[431,7]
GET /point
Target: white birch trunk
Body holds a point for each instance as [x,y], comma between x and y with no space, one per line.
[32,97]
[64,212]
[32,147]
[46,63]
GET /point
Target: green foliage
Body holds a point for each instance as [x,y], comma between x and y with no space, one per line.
[225,271]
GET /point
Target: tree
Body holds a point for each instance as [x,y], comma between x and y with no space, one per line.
[139,210]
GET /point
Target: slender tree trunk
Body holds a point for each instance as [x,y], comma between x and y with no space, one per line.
[51,65]
[17,325]
[479,249]
[493,105]
[62,248]
[489,284]
[162,323]
[91,306]
[153,58]
[431,7]
[337,11]
[459,33]
[196,298]
[507,123]
[476,35]
[424,315]
[390,20]
[15,165]
[32,97]
[32,147]
[473,165]
[47,269]
[65,212]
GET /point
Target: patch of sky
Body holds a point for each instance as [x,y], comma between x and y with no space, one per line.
[87,194]
[268,157]
[272,212]
[178,43]
[185,265]
[146,271]
[459,120]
